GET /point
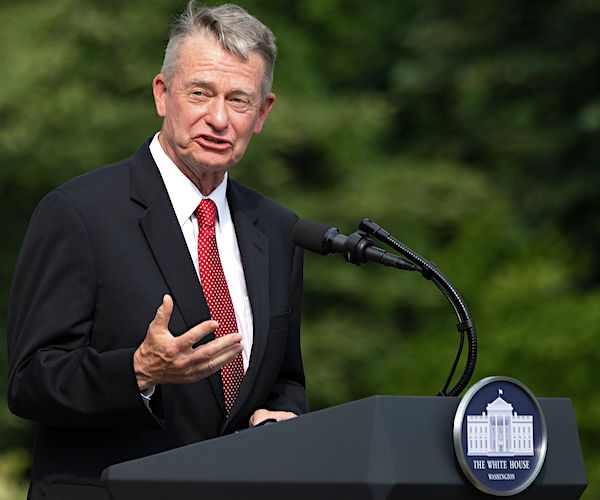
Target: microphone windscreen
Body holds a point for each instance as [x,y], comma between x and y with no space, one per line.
[311,235]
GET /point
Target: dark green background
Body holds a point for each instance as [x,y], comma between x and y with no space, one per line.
[468,129]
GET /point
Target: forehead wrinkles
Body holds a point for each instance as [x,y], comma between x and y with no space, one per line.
[204,59]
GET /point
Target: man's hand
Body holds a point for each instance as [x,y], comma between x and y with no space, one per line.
[261,415]
[163,358]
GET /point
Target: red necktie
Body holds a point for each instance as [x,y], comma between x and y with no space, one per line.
[217,295]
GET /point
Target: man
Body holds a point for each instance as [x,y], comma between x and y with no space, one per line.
[107,375]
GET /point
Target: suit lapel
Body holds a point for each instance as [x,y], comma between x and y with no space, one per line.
[164,236]
[171,253]
[254,250]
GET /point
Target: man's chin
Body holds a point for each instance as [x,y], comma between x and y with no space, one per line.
[213,162]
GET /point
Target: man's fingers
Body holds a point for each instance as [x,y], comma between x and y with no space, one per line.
[218,352]
[223,343]
[194,335]
[261,415]
[163,313]
[224,356]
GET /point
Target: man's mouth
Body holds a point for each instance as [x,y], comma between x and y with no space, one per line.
[216,141]
[213,142]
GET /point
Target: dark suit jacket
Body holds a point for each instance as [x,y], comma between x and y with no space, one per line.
[100,253]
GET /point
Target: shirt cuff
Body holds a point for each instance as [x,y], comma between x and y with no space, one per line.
[147,394]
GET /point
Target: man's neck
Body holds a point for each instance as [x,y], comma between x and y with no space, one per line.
[206,182]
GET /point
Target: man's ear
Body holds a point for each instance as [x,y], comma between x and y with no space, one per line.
[159,89]
[263,113]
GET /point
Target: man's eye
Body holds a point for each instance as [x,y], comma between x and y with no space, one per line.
[239,102]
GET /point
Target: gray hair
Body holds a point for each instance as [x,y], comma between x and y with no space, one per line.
[238,32]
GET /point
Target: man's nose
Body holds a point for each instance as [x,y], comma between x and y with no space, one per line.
[216,115]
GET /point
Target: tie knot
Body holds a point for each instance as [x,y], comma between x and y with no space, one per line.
[206,212]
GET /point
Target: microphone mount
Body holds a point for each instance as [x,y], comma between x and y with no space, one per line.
[355,246]
[359,249]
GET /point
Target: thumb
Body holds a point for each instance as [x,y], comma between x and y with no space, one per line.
[163,313]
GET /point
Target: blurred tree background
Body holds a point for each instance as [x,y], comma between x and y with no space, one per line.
[468,129]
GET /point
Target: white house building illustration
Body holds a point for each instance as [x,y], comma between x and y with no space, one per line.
[500,433]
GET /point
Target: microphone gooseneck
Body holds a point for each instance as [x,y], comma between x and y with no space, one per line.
[359,249]
[465,324]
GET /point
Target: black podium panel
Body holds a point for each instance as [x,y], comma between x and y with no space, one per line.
[379,448]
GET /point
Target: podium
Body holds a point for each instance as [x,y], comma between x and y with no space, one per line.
[378,448]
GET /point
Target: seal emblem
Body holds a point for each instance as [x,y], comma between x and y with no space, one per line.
[500,436]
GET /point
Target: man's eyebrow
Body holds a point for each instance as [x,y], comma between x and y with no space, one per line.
[199,83]
[210,85]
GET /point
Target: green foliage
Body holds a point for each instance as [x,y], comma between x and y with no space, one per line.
[13,465]
[468,129]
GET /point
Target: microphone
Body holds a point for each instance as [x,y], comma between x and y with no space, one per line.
[356,248]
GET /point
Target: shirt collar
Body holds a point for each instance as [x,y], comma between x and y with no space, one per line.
[185,196]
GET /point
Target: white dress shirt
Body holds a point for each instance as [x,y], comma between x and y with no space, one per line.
[185,198]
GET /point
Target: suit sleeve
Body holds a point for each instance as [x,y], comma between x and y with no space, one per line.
[55,376]
[288,392]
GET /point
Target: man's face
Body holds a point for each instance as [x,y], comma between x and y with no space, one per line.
[211,108]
